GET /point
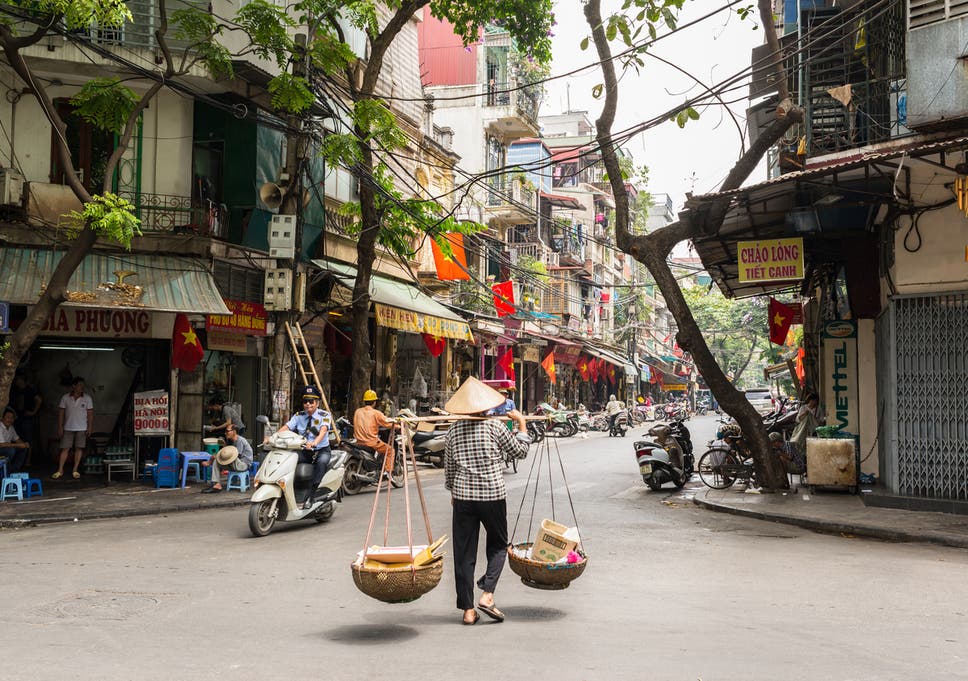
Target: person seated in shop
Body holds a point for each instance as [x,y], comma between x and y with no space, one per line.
[223,416]
[235,456]
[789,453]
[11,446]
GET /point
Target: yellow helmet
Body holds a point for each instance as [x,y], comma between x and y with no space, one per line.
[369,396]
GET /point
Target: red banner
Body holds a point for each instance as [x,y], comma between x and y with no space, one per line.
[504,289]
[246,318]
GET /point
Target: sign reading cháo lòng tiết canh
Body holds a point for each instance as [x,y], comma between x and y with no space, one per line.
[773,260]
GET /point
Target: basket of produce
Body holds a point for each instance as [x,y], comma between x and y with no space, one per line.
[397,584]
[542,574]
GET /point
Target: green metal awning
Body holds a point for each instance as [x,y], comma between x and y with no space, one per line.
[402,306]
[167,283]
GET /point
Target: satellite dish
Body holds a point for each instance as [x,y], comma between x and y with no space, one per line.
[271,195]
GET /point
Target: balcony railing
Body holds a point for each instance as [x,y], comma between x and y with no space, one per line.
[178,214]
[537,251]
[504,192]
[524,99]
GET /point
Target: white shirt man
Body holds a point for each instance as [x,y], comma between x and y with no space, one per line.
[75,415]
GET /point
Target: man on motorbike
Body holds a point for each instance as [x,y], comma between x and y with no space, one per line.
[613,409]
[367,421]
[313,424]
[509,409]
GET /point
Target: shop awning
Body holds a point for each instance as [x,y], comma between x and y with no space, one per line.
[400,305]
[562,201]
[609,356]
[167,283]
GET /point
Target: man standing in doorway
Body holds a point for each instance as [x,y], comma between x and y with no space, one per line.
[75,414]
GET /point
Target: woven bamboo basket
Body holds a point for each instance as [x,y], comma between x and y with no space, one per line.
[398,585]
[540,575]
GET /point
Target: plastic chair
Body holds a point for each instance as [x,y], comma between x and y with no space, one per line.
[194,471]
[253,469]
[33,488]
[238,480]
[12,488]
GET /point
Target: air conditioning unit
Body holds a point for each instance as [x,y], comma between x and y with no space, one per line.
[282,236]
[278,289]
[11,187]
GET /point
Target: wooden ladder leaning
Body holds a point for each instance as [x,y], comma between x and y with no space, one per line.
[307,370]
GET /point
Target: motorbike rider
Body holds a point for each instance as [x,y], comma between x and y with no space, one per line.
[509,409]
[313,424]
[367,421]
[613,409]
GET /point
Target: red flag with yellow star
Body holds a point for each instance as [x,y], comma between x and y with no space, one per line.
[506,362]
[611,374]
[186,346]
[583,367]
[781,316]
[435,344]
[548,364]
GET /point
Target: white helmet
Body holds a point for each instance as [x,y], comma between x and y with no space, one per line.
[611,397]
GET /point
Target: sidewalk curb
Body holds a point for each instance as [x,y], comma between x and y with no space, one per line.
[830,527]
[15,523]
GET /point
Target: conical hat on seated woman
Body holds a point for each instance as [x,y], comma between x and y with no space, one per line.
[473,397]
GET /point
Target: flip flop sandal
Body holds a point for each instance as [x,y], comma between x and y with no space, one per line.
[491,611]
[55,476]
[77,476]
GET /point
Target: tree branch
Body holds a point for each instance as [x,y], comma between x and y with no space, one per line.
[381,43]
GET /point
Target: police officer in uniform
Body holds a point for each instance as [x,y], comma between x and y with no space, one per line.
[313,424]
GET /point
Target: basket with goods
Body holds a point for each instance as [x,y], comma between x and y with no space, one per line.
[556,556]
[399,574]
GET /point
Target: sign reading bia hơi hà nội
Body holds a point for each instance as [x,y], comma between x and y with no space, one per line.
[773,260]
[151,413]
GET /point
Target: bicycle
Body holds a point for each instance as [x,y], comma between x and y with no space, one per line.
[721,466]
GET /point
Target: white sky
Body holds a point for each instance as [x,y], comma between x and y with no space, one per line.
[712,51]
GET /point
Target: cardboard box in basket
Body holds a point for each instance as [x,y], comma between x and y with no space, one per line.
[553,542]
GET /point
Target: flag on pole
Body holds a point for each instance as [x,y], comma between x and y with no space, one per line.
[801,372]
[780,317]
[548,364]
[583,367]
[186,347]
[506,362]
[611,374]
[435,344]
[504,289]
[454,266]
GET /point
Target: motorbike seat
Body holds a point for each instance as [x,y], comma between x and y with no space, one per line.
[420,438]
[304,472]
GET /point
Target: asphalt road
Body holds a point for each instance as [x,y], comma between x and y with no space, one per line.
[671,592]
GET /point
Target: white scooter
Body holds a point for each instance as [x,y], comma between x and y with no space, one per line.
[281,479]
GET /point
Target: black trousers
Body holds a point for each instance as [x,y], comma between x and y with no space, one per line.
[320,466]
[468,516]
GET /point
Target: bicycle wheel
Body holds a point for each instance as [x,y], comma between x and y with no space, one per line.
[717,468]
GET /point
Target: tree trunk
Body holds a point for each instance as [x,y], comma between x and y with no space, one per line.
[361,362]
[653,249]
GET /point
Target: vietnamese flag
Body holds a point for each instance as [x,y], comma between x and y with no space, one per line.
[506,362]
[504,289]
[583,368]
[453,266]
[780,318]
[801,372]
[186,347]
[548,364]
[611,374]
[435,344]
[595,369]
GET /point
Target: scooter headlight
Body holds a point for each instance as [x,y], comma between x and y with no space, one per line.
[282,484]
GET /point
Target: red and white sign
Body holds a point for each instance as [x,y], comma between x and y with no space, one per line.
[151,413]
[90,322]
[226,340]
[246,318]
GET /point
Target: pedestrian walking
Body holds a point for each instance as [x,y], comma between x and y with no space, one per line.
[474,473]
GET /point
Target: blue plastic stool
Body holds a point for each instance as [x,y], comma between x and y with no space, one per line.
[33,488]
[253,469]
[12,488]
[149,471]
[194,471]
[22,476]
[238,480]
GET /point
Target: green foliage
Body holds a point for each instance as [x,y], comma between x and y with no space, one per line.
[329,54]
[341,149]
[77,13]
[266,26]
[535,268]
[201,31]
[529,22]
[105,103]
[110,216]
[290,93]
[378,124]
[686,115]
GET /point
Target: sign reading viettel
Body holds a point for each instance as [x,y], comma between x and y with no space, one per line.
[840,375]
[247,319]
[774,260]
[151,413]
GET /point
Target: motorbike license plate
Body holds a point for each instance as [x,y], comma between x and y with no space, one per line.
[645,468]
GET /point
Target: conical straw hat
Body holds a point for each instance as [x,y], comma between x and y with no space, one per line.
[227,455]
[473,397]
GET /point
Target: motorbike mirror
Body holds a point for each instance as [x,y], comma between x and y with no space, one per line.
[263,419]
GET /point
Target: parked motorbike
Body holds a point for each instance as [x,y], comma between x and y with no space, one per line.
[702,406]
[363,465]
[282,479]
[559,423]
[620,425]
[664,459]
[642,413]
[428,440]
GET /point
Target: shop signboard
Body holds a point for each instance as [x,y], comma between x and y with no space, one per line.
[771,260]
[567,354]
[417,322]
[671,387]
[90,322]
[247,319]
[4,317]
[151,413]
[226,340]
[530,353]
[840,375]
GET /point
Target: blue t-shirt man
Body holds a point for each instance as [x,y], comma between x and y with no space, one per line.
[313,424]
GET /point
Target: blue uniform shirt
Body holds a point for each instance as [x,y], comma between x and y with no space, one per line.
[505,408]
[309,428]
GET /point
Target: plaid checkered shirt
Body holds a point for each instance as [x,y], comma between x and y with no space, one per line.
[474,459]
